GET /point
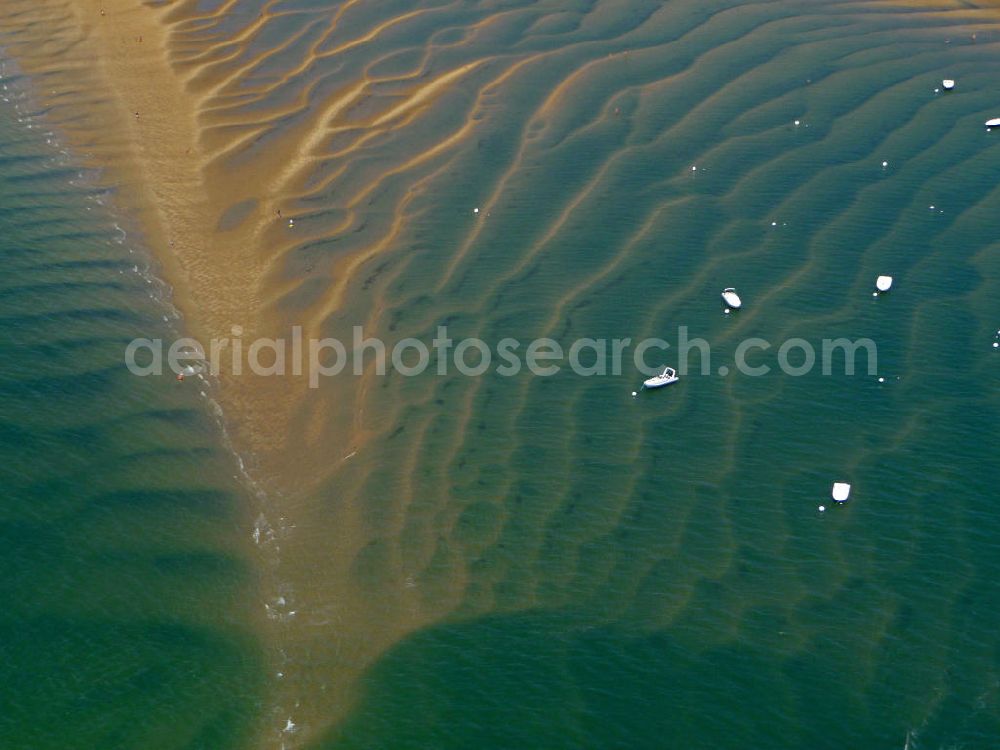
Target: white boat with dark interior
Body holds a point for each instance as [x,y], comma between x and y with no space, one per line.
[668,376]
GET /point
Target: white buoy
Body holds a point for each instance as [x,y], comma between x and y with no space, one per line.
[883,283]
[947,84]
[797,123]
[841,491]
[475,210]
[885,164]
[694,169]
[635,393]
[822,508]
[996,345]
[881,380]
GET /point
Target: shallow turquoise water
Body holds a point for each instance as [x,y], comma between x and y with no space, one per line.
[656,573]
[600,572]
[125,595]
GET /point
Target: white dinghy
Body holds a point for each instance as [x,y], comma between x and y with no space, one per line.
[841,492]
[947,84]
[994,123]
[668,376]
[883,283]
[731,298]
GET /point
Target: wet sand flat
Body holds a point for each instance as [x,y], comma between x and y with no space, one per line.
[628,159]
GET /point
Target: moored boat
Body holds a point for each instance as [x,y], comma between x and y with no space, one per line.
[668,376]
[841,492]
[731,298]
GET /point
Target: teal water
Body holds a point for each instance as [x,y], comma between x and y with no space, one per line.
[655,573]
[125,590]
[544,562]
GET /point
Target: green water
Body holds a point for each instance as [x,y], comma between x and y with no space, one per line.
[599,571]
[125,594]
[655,573]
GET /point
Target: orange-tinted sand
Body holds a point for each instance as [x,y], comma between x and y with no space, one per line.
[353,124]
[210,129]
[139,93]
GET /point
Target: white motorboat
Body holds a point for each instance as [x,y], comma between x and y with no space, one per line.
[668,376]
[947,84]
[883,283]
[994,123]
[731,298]
[841,492]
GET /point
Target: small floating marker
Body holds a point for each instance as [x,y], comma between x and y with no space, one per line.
[635,393]
[885,164]
[996,345]
[881,380]
[475,210]
[883,283]
[841,491]
[291,223]
[694,169]
[947,84]
[822,509]
[931,208]
[797,123]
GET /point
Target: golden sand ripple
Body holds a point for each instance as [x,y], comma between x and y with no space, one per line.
[377,128]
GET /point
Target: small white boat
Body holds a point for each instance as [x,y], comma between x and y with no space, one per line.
[994,123]
[883,283]
[841,492]
[947,84]
[668,376]
[731,298]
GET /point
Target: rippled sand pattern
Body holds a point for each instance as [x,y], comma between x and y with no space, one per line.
[128,589]
[628,160]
